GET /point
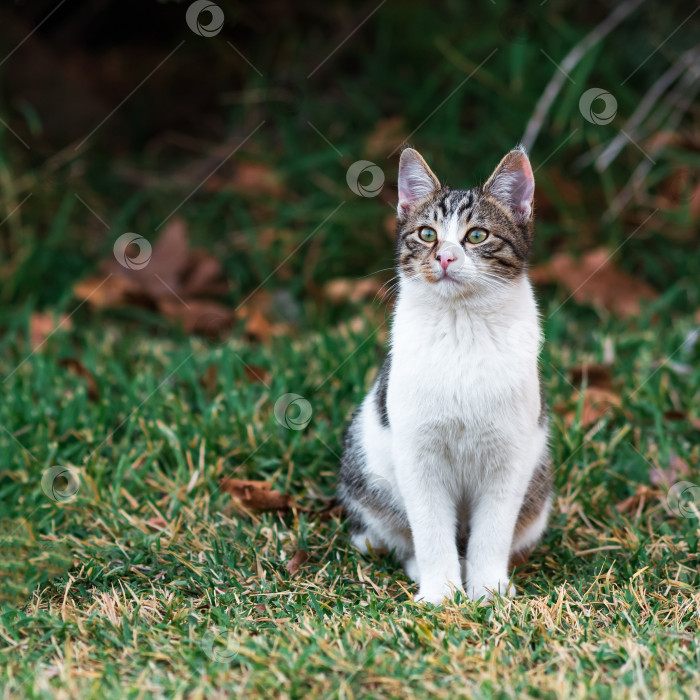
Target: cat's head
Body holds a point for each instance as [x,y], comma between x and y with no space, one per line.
[462,242]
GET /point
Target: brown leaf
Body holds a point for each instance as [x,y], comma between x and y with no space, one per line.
[256,495]
[634,502]
[203,275]
[257,178]
[679,187]
[207,318]
[673,414]
[43,325]
[208,380]
[676,469]
[157,522]
[168,281]
[76,367]
[333,511]
[387,135]
[105,292]
[598,375]
[257,326]
[257,374]
[293,565]
[256,312]
[343,289]
[595,280]
[597,403]
[160,275]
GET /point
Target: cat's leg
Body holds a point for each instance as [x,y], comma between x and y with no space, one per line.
[493,519]
[410,566]
[368,540]
[534,512]
[495,513]
[432,515]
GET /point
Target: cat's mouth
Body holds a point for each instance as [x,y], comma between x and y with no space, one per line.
[448,278]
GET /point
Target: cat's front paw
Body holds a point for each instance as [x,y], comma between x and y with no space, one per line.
[436,593]
[486,592]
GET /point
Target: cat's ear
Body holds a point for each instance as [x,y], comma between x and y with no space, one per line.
[416,180]
[513,183]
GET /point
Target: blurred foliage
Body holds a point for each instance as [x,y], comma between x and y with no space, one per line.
[121,106]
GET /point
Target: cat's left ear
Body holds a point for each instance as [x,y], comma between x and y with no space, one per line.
[416,180]
[513,183]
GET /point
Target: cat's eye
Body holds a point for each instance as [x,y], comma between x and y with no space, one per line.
[477,235]
[427,234]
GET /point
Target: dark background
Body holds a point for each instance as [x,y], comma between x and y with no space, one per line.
[175,104]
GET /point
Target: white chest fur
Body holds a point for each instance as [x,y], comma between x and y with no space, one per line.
[468,366]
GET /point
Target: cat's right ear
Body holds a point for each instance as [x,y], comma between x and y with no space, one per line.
[416,180]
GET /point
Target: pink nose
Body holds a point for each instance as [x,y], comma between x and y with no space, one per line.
[445,259]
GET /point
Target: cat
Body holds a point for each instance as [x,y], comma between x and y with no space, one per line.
[446,461]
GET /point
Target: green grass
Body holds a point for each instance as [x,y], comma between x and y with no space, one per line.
[126,584]
[151,582]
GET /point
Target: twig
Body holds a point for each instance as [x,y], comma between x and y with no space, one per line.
[683,97]
[647,103]
[569,63]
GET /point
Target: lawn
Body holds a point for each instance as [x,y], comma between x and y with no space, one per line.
[128,571]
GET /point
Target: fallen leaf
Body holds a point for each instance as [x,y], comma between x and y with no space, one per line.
[256,178]
[207,318]
[673,414]
[76,367]
[256,495]
[171,280]
[208,380]
[676,469]
[43,325]
[256,312]
[293,565]
[333,511]
[203,275]
[257,326]
[387,135]
[157,522]
[636,501]
[679,188]
[597,403]
[595,280]
[343,289]
[595,374]
[257,374]
[108,291]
